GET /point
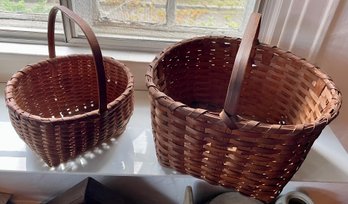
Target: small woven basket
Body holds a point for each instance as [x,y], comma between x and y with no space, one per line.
[252,139]
[53,104]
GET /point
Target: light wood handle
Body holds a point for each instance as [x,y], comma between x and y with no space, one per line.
[228,114]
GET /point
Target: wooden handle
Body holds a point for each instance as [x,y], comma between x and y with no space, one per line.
[228,114]
[92,40]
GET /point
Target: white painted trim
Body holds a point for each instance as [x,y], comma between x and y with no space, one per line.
[299,23]
[323,29]
[271,12]
[280,17]
[170,12]
[17,49]
[252,6]
[286,24]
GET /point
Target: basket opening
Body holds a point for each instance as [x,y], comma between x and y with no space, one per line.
[66,86]
[276,89]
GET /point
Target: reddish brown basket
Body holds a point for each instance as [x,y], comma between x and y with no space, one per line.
[257,140]
[53,104]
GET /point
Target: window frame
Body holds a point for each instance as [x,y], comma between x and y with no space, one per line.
[33,36]
[136,43]
[129,43]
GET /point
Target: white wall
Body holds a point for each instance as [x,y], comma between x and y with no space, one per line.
[333,58]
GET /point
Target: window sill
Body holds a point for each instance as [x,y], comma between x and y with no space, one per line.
[42,50]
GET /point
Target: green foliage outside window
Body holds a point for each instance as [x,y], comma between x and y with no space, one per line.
[22,6]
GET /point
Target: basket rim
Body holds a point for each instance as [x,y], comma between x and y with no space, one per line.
[242,123]
[13,106]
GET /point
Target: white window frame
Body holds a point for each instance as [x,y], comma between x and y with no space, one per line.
[129,43]
[25,36]
[136,43]
[275,22]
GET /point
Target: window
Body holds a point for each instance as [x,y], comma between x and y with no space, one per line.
[153,23]
[25,19]
[130,24]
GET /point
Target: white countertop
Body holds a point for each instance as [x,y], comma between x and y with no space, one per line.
[133,153]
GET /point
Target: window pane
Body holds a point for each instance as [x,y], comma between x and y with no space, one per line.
[211,14]
[27,15]
[133,11]
[163,20]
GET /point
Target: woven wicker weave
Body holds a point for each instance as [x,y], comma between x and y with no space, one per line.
[53,104]
[284,104]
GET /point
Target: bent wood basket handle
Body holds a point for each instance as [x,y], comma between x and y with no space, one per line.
[228,114]
[92,40]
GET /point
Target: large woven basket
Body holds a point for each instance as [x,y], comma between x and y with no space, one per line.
[64,106]
[252,139]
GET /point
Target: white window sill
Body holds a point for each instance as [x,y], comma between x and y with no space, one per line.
[42,50]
